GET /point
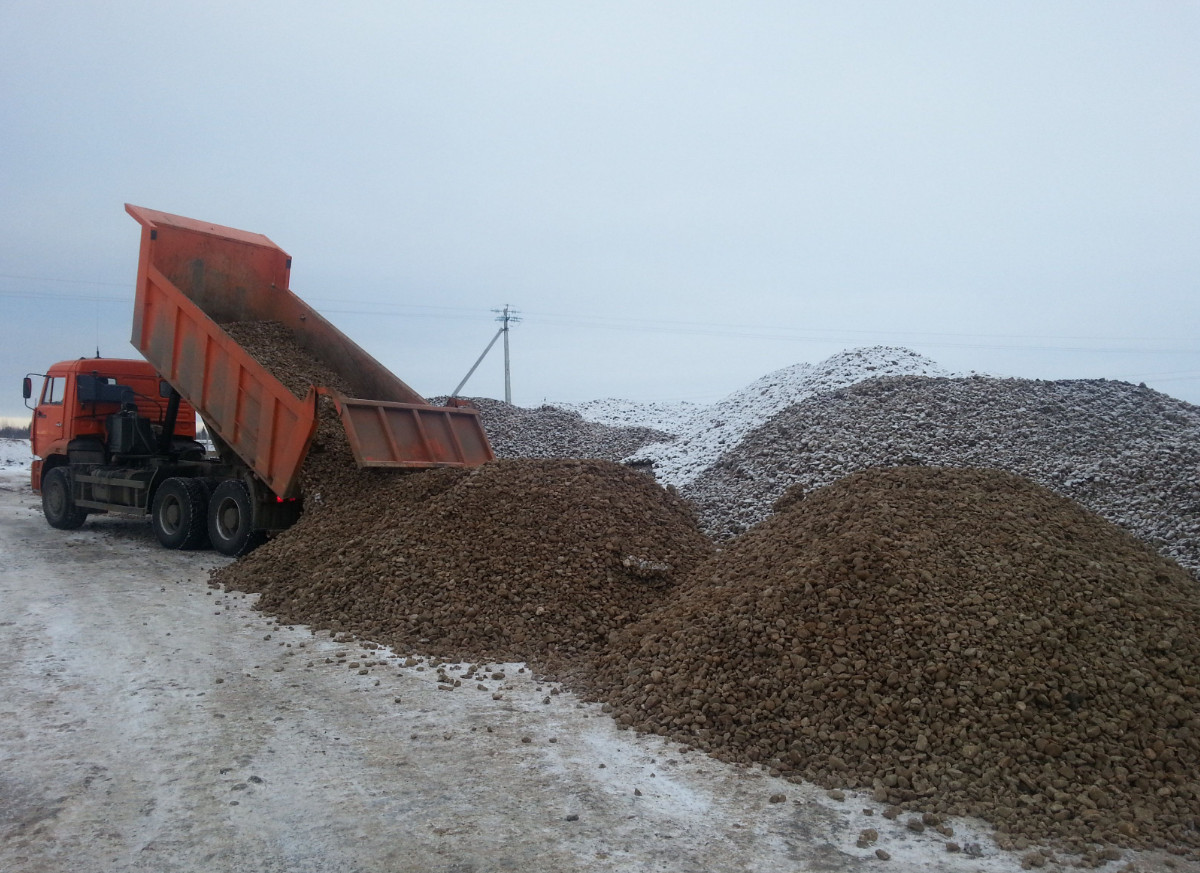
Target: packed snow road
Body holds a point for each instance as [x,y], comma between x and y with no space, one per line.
[151,722]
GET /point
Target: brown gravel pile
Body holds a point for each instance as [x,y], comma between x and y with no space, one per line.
[518,559]
[958,641]
[521,559]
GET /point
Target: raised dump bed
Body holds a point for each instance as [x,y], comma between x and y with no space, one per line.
[193,277]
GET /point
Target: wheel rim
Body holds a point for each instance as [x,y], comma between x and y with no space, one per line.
[57,498]
[172,515]
[229,518]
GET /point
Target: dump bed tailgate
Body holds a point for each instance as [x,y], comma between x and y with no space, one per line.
[385,434]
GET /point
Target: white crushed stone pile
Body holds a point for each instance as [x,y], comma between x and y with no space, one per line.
[711,431]
[551,432]
[1128,453]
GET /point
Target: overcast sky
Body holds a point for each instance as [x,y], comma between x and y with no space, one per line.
[678,197]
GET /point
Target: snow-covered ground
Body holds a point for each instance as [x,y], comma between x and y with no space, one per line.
[15,458]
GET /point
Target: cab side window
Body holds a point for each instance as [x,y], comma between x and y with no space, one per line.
[52,391]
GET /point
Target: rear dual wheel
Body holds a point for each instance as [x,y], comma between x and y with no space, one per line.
[231,520]
[179,514]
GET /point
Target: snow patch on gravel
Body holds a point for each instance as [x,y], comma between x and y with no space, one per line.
[614,412]
[710,431]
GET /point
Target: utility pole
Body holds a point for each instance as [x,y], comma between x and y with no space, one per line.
[506,316]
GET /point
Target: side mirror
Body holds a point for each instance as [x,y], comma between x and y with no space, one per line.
[164,388]
[27,388]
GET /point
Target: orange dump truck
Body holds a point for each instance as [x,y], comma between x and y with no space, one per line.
[119,435]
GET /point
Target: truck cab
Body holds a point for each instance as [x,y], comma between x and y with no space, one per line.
[100,410]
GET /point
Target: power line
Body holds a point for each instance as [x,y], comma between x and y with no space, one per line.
[935,339]
[831,334]
[622,321]
[43,295]
[347,306]
[65,281]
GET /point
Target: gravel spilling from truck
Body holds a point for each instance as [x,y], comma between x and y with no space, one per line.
[275,347]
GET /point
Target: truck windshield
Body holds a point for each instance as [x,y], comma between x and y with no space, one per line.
[52,391]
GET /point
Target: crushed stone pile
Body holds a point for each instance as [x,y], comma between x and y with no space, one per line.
[957,641]
[1127,452]
[534,560]
[551,432]
[713,430]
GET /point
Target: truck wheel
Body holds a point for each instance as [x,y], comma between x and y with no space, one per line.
[179,516]
[231,520]
[57,503]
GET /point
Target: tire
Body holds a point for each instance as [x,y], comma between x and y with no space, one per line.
[180,514]
[231,520]
[57,503]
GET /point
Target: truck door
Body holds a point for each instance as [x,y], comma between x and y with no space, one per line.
[48,416]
